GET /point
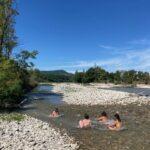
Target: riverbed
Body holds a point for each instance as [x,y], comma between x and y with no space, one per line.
[136,121]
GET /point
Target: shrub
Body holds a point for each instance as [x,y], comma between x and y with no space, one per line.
[10,83]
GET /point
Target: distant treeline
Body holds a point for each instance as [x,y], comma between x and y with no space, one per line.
[94,74]
[97,74]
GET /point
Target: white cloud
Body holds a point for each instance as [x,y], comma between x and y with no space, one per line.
[124,58]
[136,55]
[107,47]
[138,60]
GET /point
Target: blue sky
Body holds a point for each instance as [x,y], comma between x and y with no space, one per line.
[77,34]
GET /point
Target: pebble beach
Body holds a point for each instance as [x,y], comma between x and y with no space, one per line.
[97,94]
[33,134]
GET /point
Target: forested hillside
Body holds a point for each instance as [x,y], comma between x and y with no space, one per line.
[54,76]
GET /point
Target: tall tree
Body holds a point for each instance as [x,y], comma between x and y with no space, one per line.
[8,40]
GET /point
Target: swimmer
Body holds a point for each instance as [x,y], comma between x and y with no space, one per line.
[117,123]
[86,122]
[55,113]
[103,118]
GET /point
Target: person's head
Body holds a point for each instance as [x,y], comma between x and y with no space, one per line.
[104,114]
[56,110]
[86,116]
[117,117]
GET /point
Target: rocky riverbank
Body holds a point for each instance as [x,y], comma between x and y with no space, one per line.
[32,134]
[95,94]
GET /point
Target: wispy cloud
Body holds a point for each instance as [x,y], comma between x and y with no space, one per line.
[141,58]
[135,55]
[107,47]
[138,60]
[115,58]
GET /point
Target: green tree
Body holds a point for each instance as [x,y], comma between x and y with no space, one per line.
[96,74]
[146,78]
[8,40]
[80,77]
[15,78]
[111,77]
[130,77]
[11,88]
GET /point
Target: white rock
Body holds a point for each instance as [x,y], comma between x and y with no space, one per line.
[96,94]
[31,137]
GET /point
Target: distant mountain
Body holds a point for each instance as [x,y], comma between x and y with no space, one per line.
[57,72]
[56,76]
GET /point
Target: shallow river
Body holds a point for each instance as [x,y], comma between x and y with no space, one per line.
[136,120]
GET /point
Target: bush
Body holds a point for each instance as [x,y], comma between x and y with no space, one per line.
[10,83]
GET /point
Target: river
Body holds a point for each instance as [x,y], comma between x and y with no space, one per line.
[136,120]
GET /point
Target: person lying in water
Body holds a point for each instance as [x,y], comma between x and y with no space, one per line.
[55,113]
[117,123]
[103,118]
[86,122]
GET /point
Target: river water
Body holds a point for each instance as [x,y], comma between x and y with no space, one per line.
[136,120]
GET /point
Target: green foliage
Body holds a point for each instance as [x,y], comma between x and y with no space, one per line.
[23,57]
[10,83]
[111,77]
[143,77]
[117,77]
[80,77]
[53,76]
[8,40]
[14,82]
[97,74]
[129,77]
[15,78]
[94,74]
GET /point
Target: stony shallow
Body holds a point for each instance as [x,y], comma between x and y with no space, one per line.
[33,134]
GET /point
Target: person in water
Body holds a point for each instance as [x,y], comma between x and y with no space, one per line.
[103,118]
[117,123]
[55,113]
[86,122]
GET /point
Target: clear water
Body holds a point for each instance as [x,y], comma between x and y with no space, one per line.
[44,93]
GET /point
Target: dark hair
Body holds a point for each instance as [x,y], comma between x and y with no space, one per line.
[56,110]
[104,114]
[86,116]
[117,117]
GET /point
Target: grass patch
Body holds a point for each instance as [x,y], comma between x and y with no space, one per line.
[12,117]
